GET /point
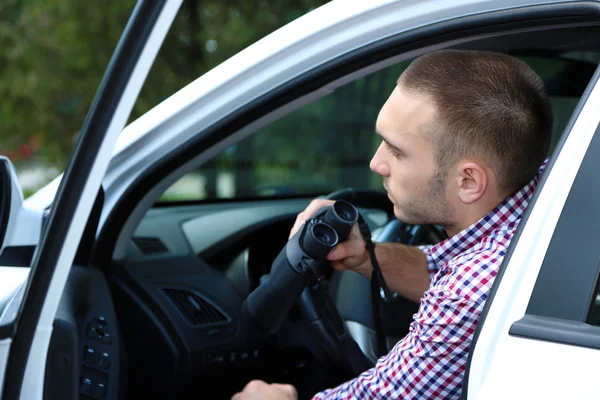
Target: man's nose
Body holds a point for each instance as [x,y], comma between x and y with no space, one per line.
[378,163]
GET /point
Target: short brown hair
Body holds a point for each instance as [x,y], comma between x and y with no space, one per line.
[490,106]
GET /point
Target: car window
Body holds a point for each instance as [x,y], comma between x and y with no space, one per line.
[316,149]
[327,145]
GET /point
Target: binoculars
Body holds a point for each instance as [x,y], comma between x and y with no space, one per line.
[268,305]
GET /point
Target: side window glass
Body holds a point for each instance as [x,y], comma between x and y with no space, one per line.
[319,148]
[327,145]
[566,76]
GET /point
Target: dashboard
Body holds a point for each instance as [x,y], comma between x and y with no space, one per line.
[206,259]
[166,321]
[243,239]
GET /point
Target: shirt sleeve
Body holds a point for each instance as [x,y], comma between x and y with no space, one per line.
[429,362]
[432,267]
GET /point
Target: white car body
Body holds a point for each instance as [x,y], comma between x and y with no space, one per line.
[502,365]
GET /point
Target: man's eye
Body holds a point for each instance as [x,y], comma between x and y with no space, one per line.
[392,151]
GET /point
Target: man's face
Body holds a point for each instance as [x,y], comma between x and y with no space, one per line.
[405,159]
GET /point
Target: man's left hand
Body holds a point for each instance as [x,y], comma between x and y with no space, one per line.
[259,390]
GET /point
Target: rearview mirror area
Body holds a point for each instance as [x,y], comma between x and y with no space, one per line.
[20,227]
[8,178]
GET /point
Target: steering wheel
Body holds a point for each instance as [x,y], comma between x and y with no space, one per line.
[351,292]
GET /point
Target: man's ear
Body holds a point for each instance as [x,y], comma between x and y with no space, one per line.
[473,180]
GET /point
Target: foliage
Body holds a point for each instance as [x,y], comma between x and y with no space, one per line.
[55,52]
[53,56]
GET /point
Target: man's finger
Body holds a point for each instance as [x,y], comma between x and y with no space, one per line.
[297,224]
[315,206]
[347,249]
[255,385]
[339,265]
[287,389]
[308,213]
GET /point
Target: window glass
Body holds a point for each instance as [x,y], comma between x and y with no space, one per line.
[327,145]
[317,149]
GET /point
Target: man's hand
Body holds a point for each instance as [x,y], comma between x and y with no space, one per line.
[404,267]
[259,390]
[349,255]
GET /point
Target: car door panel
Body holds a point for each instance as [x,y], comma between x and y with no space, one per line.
[189,324]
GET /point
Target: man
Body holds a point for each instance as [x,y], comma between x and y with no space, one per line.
[464,139]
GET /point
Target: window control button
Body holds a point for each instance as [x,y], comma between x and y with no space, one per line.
[95,330]
[99,390]
[101,319]
[106,338]
[86,385]
[104,360]
[89,355]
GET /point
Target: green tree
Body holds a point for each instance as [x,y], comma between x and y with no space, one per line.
[54,53]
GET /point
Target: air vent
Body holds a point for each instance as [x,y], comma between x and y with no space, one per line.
[194,308]
[150,245]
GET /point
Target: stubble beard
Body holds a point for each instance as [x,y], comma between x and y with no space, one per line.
[430,207]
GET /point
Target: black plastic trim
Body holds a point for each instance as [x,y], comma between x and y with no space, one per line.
[88,239]
[183,203]
[525,17]
[17,256]
[114,82]
[557,331]
[525,218]
[5,198]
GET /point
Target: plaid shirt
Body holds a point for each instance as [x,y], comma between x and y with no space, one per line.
[429,363]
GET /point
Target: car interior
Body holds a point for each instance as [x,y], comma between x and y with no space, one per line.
[164,317]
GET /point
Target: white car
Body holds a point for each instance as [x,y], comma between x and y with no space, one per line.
[111,290]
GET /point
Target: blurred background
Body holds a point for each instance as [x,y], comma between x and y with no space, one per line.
[54,54]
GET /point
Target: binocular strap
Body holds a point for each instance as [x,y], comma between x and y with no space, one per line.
[379,289]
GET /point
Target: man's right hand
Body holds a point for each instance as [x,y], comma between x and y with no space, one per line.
[348,255]
[404,267]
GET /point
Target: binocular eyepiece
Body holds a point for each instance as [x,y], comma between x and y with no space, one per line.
[328,228]
[319,239]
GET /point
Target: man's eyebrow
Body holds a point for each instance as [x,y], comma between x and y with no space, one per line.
[396,148]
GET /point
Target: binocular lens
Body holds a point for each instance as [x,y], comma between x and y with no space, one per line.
[324,234]
[346,211]
[341,217]
[319,239]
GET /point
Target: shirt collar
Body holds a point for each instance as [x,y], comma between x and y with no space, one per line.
[509,211]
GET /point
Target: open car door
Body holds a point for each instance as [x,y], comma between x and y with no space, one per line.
[25,332]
